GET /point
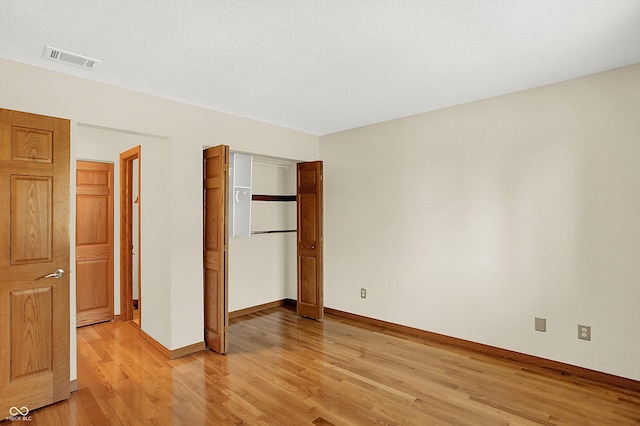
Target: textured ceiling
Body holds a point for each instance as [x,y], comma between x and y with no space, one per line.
[324,66]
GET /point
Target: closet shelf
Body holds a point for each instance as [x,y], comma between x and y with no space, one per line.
[260,197]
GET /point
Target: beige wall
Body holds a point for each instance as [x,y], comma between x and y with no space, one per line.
[471,221]
[172,260]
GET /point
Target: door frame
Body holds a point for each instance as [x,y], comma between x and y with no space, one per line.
[126,233]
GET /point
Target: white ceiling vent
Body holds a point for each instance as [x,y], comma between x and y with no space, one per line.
[60,55]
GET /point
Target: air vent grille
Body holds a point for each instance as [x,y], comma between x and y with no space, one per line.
[60,55]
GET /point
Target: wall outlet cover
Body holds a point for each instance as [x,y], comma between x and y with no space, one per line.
[541,324]
[584,332]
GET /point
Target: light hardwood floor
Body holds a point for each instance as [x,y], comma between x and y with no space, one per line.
[286,370]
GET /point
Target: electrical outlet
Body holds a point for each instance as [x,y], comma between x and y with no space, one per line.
[363,293]
[584,332]
[541,324]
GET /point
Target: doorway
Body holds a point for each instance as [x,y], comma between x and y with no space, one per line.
[309,247]
[135,261]
[130,205]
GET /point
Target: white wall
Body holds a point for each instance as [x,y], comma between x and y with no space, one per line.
[262,268]
[471,221]
[173,316]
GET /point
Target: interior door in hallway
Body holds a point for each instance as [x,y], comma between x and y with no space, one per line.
[130,207]
[34,261]
[216,237]
[310,239]
[94,242]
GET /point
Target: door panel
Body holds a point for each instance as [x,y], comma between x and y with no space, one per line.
[310,240]
[94,242]
[31,317]
[216,178]
[34,242]
[31,214]
[31,145]
[308,292]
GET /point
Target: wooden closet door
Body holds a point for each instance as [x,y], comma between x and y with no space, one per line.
[216,189]
[310,240]
[94,242]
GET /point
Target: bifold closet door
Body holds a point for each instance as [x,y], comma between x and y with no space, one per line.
[216,236]
[310,214]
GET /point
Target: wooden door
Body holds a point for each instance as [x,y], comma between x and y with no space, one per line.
[310,240]
[127,178]
[94,242]
[34,243]
[216,236]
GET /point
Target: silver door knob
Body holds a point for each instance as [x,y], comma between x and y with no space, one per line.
[57,274]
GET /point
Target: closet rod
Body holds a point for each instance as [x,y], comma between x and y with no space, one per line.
[259,197]
[273,232]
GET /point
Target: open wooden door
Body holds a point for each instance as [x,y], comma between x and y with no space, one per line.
[34,262]
[216,188]
[94,242]
[310,240]
[127,179]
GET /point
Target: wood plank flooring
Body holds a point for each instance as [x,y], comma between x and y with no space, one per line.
[285,370]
